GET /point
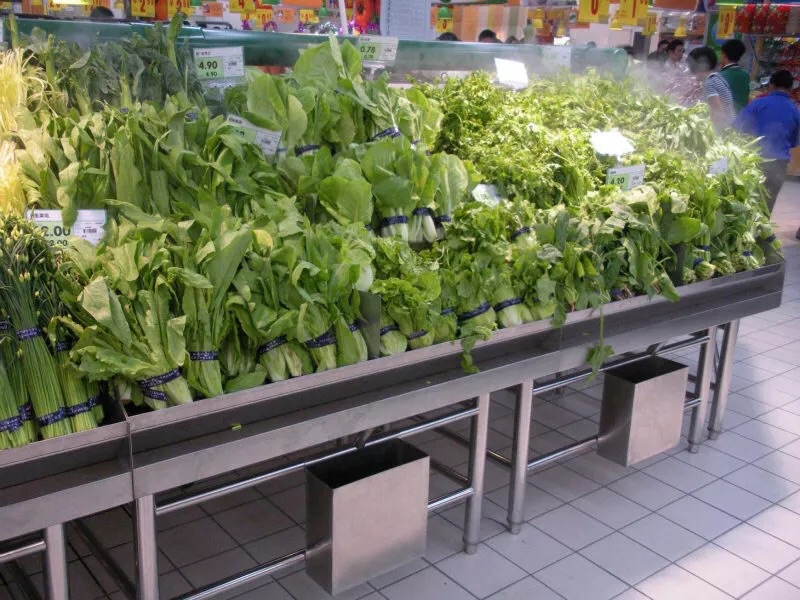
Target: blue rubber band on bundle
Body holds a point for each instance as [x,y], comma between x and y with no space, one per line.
[390,132]
[415,142]
[154,395]
[152,382]
[704,248]
[519,232]
[63,346]
[396,220]
[192,115]
[124,110]
[447,311]
[422,211]
[93,401]
[11,424]
[442,219]
[770,239]
[28,334]
[271,345]
[697,261]
[354,326]
[300,150]
[74,411]
[368,227]
[203,355]
[474,313]
[506,303]
[616,294]
[747,253]
[326,339]
[417,334]
[26,412]
[5,325]
[53,417]
[389,328]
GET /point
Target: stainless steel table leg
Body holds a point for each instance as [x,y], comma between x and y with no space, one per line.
[146,548]
[519,457]
[477,464]
[56,563]
[723,380]
[705,367]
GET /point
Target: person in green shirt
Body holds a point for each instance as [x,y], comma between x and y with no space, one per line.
[738,79]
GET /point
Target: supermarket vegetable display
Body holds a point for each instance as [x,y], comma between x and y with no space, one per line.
[225,265]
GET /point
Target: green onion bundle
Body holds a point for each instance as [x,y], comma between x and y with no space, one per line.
[12,432]
[9,357]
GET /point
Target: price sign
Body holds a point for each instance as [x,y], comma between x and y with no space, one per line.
[219,63]
[444,25]
[650,24]
[377,50]
[629,13]
[89,225]
[268,140]
[143,8]
[284,16]
[592,11]
[263,16]
[511,72]
[486,194]
[727,20]
[555,58]
[626,177]
[718,167]
[308,15]
[213,9]
[176,6]
[241,6]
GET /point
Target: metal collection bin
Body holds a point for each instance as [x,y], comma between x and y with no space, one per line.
[642,410]
[367,514]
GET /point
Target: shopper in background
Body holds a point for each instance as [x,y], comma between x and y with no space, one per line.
[675,50]
[660,55]
[100,13]
[447,36]
[738,78]
[512,39]
[680,85]
[702,63]
[487,36]
[774,118]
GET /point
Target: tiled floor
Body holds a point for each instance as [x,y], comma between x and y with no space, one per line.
[724,523]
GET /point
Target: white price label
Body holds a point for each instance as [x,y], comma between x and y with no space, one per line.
[626,177]
[487,194]
[511,72]
[89,225]
[267,139]
[377,49]
[219,63]
[555,58]
[719,167]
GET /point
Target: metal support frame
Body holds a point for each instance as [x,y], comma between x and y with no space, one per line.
[519,456]
[705,368]
[55,563]
[477,464]
[146,548]
[723,379]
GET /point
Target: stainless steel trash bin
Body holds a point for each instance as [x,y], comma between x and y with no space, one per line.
[642,410]
[367,513]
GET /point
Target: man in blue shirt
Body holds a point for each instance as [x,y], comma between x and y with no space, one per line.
[776,120]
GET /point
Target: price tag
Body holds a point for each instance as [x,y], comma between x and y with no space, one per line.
[443,25]
[555,58]
[285,16]
[486,194]
[718,167]
[219,63]
[377,50]
[177,6]
[268,140]
[143,8]
[511,72]
[241,6]
[592,11]
[308,15]
[726,22]
[89,225]
[650,24]
[626,177]
[213,9]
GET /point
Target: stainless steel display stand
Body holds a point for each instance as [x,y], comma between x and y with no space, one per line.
[50,483]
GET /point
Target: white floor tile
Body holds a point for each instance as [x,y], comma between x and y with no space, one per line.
[493,518]
[780,522]
[276,545]
[724,570]
[537,501]
[579,430]
[597,468]
[553,416]
[531,549]
[773,589]
[699,517]
[188,543]
[631,594]
[399,573]
[576,578]
[776,392]
[761,549]
[781,464]
[173,584]
[444,539]
[571,527]
[231,500]
[711,460]
[663,537]
[579,403]
[747,406]
[610,508]
[675,583]
[679,475]
[482,573]
[622,557]
[739,447]
[731,499]
[252,521]
[217,567]
[302,587]
[783,419]
[762,483]
[763,433]
[428,584]
[292,502]
[647,491]
[791,574]
[563,483]
[792,502]
[527,589]
[273,591]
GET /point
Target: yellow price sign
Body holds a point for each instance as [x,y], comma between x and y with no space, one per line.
[143,8]
[630,12]
[650,24]
[727,20]
[444,25]
[176,6]
[308,15]
[592,11]
[241,6]
[263,16]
